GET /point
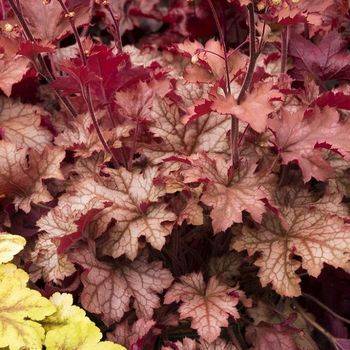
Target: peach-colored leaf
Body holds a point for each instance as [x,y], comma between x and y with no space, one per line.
[132,202]
[207,133]
[48,263]
[108,289]
[82,138]
[254,109]
[192,213]
[207,63]
[47,21]
[21,124]
[12,71]
[228,199]
[128,335]
[22,179]
[296,136]
[306,230]
[208,305]
[190,344]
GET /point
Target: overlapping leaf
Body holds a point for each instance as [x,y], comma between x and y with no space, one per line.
[22,179]
[297,136]
[255,108]
[108,289]
[131,200]
[48,263]
[21,124]
[70,329]
[208,305]
[47,20]
[12,70]
[227,198]
[21,308]
[308,231]
[207,133]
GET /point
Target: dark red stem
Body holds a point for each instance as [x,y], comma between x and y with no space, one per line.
[86,90]
[234,120]
[44,69]
[117,36]
[284,48]
[252,56]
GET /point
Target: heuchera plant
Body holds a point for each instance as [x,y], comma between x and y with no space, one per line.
[182,168]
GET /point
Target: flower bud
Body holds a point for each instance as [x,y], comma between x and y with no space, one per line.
[194,59]
[8,27]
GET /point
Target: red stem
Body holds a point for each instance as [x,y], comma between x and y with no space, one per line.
[117,36]
[284,48]
[44,70]
[87,93]
[70,16]
[3,10]
[252,56]
[234,120]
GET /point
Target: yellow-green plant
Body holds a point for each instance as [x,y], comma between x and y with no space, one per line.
[30,321]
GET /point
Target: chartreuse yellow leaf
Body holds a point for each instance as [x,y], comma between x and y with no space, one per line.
[70,329]
[10,245]
[10,271]
[61,326]
[20,308]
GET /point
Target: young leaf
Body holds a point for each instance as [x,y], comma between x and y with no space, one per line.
[69,328]
[254,109]
[208,305]
[10,245]
[20,309]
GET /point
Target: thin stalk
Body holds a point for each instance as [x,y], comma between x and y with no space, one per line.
[284,56]
[248,77]
[234,120]
[134,144]
[70,16]
[21,20]
[117,36]
[284,48]
[3,9]
[243,133]
[261,43]
[319,303]
[86,93]
[317,326]
[88,101]
[252,55]
[211,52]
[44,70]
